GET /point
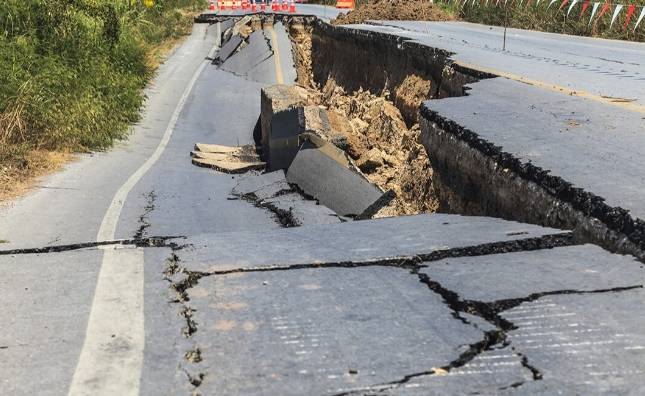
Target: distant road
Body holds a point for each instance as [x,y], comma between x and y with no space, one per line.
[599,67]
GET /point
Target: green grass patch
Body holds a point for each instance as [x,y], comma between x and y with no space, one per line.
[529,16]
[72,72]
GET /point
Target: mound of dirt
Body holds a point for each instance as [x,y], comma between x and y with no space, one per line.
[394,10]
[371,130]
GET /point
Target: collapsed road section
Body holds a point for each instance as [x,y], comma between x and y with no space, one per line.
[397,108]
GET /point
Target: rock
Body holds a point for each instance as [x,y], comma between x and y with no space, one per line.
[371,161]
[341,126]
[359,125]
[341,142]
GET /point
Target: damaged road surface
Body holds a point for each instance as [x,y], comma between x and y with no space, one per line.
[136,272]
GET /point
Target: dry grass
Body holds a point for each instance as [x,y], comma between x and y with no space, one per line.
[17,179]
[21,165]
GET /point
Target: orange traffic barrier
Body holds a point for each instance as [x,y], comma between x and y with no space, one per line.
[346,4]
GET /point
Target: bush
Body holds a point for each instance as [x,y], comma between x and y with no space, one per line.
[72,72]
[529,16]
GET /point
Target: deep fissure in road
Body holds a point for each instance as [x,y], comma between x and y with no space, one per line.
[373,86]
[440,165]
[372,89]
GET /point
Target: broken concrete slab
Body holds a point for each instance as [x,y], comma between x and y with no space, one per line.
[338,187]
[232,167]
[241,24]
[565,162]
[566,309]
[365,242]
[280,122]
[303,211]
[218,148]
[262,186]
[271,191]
[253,61]
[490,373]
[516,275]
[352,328]
[227,50]
[282,41]
[227,159]
[223,157]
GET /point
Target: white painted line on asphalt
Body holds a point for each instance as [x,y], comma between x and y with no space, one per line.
[627,104]
[111,360]
[112,355]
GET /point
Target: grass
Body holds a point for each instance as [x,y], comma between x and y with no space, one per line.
[553,19]
[525,16]
[72,74]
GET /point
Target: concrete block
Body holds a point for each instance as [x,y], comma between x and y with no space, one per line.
[280,118]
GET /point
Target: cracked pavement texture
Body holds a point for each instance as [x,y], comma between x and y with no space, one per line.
[418,305]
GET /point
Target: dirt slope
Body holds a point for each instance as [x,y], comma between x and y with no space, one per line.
[394,10]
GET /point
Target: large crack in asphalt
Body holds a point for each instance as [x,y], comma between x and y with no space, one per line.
[153,241]
[492,339]
[144,221]
[413,263]
[284,217]
[179,287]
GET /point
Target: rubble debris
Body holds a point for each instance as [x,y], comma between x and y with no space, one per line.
[227,50]
[378,131]
[393,10]
[227,159]
[372,131]
[321,171]
[272,192]
[300,35]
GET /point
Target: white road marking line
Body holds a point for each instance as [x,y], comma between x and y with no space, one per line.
[628,104]
[112,355]
[111,359]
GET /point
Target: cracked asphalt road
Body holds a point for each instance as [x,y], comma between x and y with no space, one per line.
[201,291]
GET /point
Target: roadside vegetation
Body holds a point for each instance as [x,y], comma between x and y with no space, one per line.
[553,20]
[512,13]
[72,74]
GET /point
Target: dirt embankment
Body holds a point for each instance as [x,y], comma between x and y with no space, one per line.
[300,35]
[394,10]
[379,131]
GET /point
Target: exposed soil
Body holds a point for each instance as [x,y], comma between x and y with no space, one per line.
[300,35]
[371,130]
[378,130]
[394,10]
